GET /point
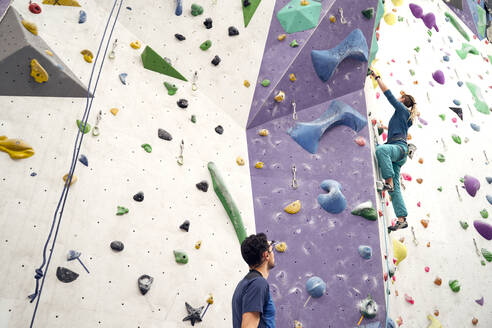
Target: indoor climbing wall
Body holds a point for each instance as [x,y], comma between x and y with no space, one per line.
[131,162]
[446,274]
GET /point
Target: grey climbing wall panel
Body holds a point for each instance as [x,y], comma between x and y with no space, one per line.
[4,4]
[19,47]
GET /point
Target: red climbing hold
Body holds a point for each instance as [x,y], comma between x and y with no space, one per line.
[406,177]
[380,213]
[409,299]
[34,8]
[360,141]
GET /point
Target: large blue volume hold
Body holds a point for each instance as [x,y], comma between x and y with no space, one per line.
[334,201]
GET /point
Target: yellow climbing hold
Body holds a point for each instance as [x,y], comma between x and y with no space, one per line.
[292,77]
[397,3]
[74,179]
[293,207]
[333,19]
[304,2]
[399,251]
[297,324]
[281,247]
[198,244]
[374,82]
[38,72]
[114,111]
[87,55]
[434,323]
[259,165]
[31,27]
[135,45]
[16,148]
[210,299]
[280,96]
[246,83]
[263,132]
[281,37]
[72,3]
[49,53]
[240,161]
[390,18]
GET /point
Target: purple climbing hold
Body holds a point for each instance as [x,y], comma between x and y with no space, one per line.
[438,76]
[422,121]
[479,301]
[334,201]
[483,228]
[471,185]
[430,21]
[416,10]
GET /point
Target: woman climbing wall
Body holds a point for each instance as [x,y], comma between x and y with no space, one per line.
[392,155]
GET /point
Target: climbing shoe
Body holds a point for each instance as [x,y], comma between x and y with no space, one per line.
[398,225]
[388,187]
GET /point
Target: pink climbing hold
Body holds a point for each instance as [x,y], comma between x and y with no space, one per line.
[418,204]
[483,228]
[409,299]
[378,95]
[427,269]
[360,141]
[471,185]
[438,76]
[406,177]
[454,120]
[384,135]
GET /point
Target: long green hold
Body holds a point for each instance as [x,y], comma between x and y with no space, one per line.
[249,11]
[480,103]
[152,61]
[457,26]
[227,201]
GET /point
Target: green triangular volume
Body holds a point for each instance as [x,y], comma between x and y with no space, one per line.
[152,61]
[249,11]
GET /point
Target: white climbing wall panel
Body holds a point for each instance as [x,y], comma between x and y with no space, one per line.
[119,168]
[451,254]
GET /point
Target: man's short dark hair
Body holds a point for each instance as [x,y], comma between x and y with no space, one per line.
[253,247]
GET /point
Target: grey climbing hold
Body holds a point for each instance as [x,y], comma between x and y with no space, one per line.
[475,127]
[182,103]
[488,179]
[365,251]
[139,196]
[460,83]
[123,78]
[194,315]
[185,226]
[144,283]
[489,199]
[202,185]
[66,275]
[219,129]
[163,134]
[82,17]
[83,159]
[457,102]
[73,255]
[216,60]
[117,246]
[208,23]
[233,31]
[180,37]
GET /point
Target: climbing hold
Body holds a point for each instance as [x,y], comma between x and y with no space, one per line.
[123,78]
[280,96]
[179,8]
[196,9]
[49,53]
[297,324]
[487,255]
[164,135]
[294,44]
[74,179]
[353,46]
[296,17]
[475,127]
[442,116]
[480,301]
[454,285]
[180,37]
[219,129]
[202,185]
[144,283]
[121,210]
[360,141]
[34,8]
[419,180]
[308,134]
[292,77]
[464,225]
[446,59]
[86,129]
[38,72]
[216,60]
[421,160]
[409,299]
[458,111]
[489,199]
[281,247]
[135,45]
[82,17]
[281,37]
[480,103]
[466,49]
[390,18]
[117,246]
[366,210]
[472,185]
[240,161]
[474,321]
[171,88]
[259,165]
[185,226]
[368,12]
[397,3]
[227,201]
[233,31]
[31,27]
[457,26]
[66,275]
[488,179]
[147,148]
[315,286]
[456,138]
[457,102]
[83,160]
[484,213]
[206,45]
[208,23]
[304,2]
[333,19]
[334,201]
[438,281]
[399,251]
[428,19]
[72,3]
[426,269]
[441,158]
[265,83]
[139,196]
[246,83]
[198,244]
[425,223]
[434,323]
[152,61]
[182,103]
[114,111]
[16,148]
[438,76]
[88,56]
[180,257]
[194,314]
[263,132]
[365,251]
[368,307]
[293,207]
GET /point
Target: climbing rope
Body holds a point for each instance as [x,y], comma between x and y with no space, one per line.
[61,202]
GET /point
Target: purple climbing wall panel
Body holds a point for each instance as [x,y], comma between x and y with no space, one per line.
[4,5]
[465,15]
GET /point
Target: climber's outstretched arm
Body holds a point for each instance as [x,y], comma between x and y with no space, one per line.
[379,81]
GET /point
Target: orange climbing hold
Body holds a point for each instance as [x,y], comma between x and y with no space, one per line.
[292,77]
[438,281]
[419,180]
[246,83]
[425,223]
[114,111]
[474,321]
[421,160]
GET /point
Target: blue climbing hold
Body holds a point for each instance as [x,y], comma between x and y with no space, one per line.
[353,46]
[315,287]
[82,17]
[123,78]
[457,102]
[460,83]
[334,201]
[179,7]
[450,38]
[390,323]
[445,58]
[33,174]
[308,134]
[83,159]
[365,251]
[489,199]
[475,127]
[489,180]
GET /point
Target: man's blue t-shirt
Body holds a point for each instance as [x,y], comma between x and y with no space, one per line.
[399,122]
[252,294]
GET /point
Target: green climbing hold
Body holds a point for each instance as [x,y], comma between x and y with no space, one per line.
[412,72]
[193,118]
[480,103]
[298,16]
[152,61]
[265,82]
[457,26]
[366,211]
[205,45]
[227,201]
[294,44]
[490,58]
[180,257]
[482,262]
[121,210]
[171,88]
[368,13]
[484,213]
[429,32]
[400,18]
[439,188]
[196,9]
[441,158]
[147,148]
[487,255]
[456,139]
[481,22]
[249,10]
[466,49]
[442,116]
[80,125]
[464,225]
[462,180]
[417,48]
[454,285]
